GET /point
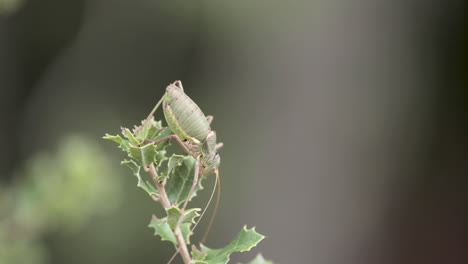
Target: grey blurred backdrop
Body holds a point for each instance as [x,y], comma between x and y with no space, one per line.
[344,122]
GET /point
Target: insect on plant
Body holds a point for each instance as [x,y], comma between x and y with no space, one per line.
[174,185]
[192,131]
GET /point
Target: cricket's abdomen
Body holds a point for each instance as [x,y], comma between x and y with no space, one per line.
[183,116]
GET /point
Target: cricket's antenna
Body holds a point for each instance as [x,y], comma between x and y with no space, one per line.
[207,204]
[213,215]
[144,122]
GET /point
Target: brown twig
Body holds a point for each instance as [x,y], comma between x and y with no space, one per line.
[164,200]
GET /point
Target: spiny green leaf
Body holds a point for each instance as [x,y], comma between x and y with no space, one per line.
[180,180]
[176,217]
[198,255]
[145,185]
[244,241]
[117,138]
[124,144]
[141,132]
[160,158]
[164,132]
[162,229]
[260,260]
[129,135]
[186,232]
[173,216]
[189,215]
[145,154]
[174,161]
[152,130]
[139,148]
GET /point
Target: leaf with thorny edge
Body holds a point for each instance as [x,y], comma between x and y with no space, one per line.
[163,229]
[197,254]
[244,241]
[176,217]
[145,185]
[151,130]
[145,155]
[123,143]
[180,180]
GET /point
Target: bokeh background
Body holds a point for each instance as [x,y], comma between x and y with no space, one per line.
[344,122]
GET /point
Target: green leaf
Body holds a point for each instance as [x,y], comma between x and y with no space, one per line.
[145,155]
[117,138]
[198,255]
[176,217]
[180,179]
[145,185]
[129,135]
[141,132]
[260,260]
[152,130]
[162,229]
[164,132]
[124,144]
[137,147]
[160,158]
[244,241]
[186,232]
[173,162]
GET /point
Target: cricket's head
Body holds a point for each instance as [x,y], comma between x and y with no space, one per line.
[210,151]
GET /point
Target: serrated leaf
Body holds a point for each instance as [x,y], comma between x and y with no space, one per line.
[129,135]
[260,260]
[124,144]
[137,146]
[150,129]
[186,232]
[145,154]
[159,160]
[180,180]
[176,217]
[174,161]
[163,132]
[145,185]
[244,241]
[162,229]
[141,132]
[197,255]
[117,138]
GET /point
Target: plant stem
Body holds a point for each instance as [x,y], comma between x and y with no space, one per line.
[164,200]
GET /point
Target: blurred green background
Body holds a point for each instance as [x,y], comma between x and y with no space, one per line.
[344,122]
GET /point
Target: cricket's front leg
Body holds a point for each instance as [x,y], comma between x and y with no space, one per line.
[194,183]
